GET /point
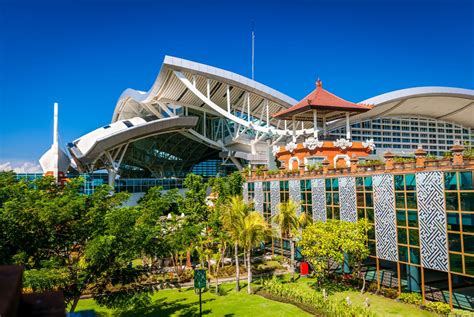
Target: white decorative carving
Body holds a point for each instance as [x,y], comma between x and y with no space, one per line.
[369,144]
[275,150]
[312,143]
[342,143]
[290,147]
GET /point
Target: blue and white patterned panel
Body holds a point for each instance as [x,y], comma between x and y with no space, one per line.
[274,196]
[385,218]
[245,192]
[318,197]
[295,192]
[258,199]
[432,219]
[347,199]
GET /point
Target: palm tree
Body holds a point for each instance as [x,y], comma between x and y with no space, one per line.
[232,217]
[255,229]
[288,221]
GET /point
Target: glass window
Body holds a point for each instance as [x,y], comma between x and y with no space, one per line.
[469,264]
[452,201]
[468,243]
[455,262]
[369,200]
[453,221]
[467,201]
[415,255]
[368,183]
[328,184]
[328,199]
[402,235]
[403,253]
[468,222]
[370,214]
[400,200]
[401,218]
[335,184]
[398,182]
[410,181]
[414,237]
[360,199]
[454,242]
[450,181]
[412,218]
[411,200]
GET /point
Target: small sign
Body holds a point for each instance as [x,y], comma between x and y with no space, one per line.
[200,279]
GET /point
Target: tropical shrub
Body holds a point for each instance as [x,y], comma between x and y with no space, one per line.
[323,305]
[460,313]
[411,298]
[370,163]
[389,292]
[274,172]
[438,307]
[400,159]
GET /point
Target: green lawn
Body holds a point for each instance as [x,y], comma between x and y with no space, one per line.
[382,306]
[186,303]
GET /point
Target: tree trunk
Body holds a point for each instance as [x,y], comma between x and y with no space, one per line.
[74,303]
[292,261]
[237,268]
[249,273]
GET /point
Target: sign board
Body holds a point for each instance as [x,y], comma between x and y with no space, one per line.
[199,279]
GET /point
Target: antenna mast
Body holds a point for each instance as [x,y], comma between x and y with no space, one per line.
[253,50]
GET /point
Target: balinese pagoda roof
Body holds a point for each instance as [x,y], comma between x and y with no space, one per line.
[326,104]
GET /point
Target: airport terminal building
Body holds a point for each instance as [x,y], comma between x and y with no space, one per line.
[379,159]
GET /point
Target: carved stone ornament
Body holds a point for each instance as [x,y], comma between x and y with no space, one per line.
[369,144]
[342,143]
[275,150]
[312,143]
[290,147]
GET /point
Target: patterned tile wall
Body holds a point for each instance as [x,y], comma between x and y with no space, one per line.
[432,220]
[295,191]
[245,192]
[347,199]
[318,196]
[274,195]
[385,218]
[258,199]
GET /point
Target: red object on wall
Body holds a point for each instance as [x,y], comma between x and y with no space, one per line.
[304,268]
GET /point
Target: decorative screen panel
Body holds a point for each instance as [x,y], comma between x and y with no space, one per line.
[258,199]
[274,195]
[385,218]
[347,199]
[295,192]
[318,193]
[432,219]
[245,192]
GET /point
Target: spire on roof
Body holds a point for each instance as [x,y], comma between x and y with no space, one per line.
[319,83]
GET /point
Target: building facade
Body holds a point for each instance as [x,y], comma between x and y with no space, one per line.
[422,239]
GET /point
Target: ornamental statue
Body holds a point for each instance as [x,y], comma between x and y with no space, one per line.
[342,143]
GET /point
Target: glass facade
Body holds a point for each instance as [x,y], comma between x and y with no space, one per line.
[267,211]
[332,198]
[306,199]
[406,134]
[365,207]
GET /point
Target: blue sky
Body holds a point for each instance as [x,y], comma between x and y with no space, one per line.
[83,54]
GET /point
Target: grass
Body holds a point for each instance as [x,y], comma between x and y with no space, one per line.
[186,303]
[382,306]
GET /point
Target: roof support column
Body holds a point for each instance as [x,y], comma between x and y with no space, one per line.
[248,107]
[204,125]
[324,125]
[294,128]
[348,127]
[268,118]
[315,123]
[228,99]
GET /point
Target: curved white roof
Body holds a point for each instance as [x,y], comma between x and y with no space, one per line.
[166,86]
[455,105]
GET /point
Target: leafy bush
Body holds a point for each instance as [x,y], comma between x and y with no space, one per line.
[371,163]
[438,307]
[431,157]
[274,172]
[259,171]
[324,305]
[400,159]
[411,298]
[389,292]
[314,167]
[461,313]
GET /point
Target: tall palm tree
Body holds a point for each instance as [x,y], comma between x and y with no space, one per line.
[232,216]
[288,221]
[255,229]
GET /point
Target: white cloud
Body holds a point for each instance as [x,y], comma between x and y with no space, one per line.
[21,167]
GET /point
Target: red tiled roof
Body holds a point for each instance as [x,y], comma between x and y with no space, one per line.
[322,100]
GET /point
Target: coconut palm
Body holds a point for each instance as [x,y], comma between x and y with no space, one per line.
[254,230]
[232,216]
[288,221]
